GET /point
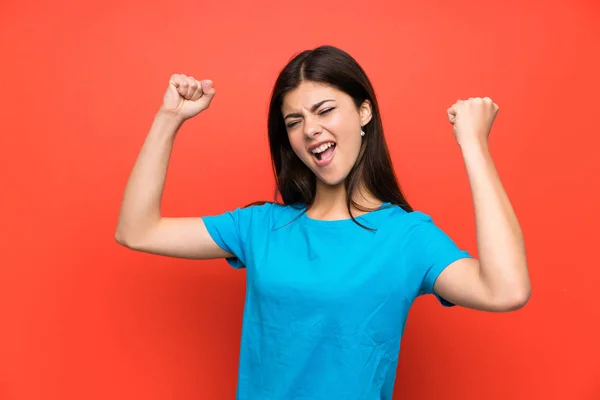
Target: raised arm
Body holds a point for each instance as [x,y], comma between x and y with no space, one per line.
[141,226]
[499,280]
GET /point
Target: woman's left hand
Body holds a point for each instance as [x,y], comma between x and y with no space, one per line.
[472,120]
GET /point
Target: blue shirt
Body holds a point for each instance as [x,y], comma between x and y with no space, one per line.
[327,301]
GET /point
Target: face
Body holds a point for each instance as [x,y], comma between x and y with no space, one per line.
[323,126]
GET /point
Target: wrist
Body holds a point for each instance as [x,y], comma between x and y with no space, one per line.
[166,124]
[169,117]
[474,145]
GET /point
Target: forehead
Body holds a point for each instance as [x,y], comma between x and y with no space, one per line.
[309,93]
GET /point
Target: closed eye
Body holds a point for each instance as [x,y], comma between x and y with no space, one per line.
[325,111]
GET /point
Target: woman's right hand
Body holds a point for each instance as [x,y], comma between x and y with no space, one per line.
[186,97]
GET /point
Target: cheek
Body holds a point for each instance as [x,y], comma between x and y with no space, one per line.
[346,133]
[297,144]
[344,126]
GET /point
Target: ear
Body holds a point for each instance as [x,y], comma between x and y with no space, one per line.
[365,112]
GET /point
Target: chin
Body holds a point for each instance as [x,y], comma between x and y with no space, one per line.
[331,178]
[333,174]
[331,183]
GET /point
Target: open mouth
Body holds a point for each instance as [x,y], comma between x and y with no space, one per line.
[324,151]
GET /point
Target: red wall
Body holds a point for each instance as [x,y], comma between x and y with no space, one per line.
[83,318]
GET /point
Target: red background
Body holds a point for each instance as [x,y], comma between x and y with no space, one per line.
[83,318]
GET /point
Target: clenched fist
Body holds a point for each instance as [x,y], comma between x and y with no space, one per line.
[472,119]
[186,97]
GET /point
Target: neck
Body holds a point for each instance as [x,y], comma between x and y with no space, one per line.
[330,202]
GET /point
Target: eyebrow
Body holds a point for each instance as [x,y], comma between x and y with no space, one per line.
[313,109]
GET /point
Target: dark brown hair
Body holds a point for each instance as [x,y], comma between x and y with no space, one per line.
[296,183]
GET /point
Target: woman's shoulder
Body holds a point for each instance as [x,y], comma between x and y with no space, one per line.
[271,212]
[273,207]
[275,213]
[394,214]
[398,211]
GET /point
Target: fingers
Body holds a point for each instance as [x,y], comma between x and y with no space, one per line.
[197,93]
[187,87]
[191,88]
[475,100]
[176,80]
[474,104]
[207,87]
[451,112]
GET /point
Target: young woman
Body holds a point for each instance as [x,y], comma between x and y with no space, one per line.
[333,269]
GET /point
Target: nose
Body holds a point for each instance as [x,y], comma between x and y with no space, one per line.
[311,128]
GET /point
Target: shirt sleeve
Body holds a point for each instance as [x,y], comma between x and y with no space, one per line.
[231,231]
[433,250]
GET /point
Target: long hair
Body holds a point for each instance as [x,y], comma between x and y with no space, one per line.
[295,182]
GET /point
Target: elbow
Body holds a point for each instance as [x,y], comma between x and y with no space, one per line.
[134,235]
[515,300]
[121,238]
[124,238]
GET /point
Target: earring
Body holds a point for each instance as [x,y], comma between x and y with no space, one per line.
[362,133]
